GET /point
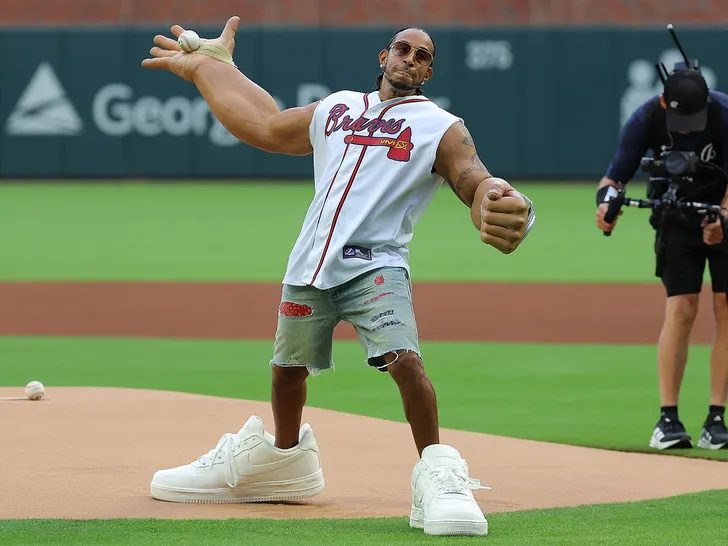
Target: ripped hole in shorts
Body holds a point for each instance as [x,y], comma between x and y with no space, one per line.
[380,362]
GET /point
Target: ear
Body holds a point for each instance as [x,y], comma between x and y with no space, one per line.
[383,57]
[428,74]
[662,102]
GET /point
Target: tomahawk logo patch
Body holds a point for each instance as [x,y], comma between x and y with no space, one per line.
[399,146]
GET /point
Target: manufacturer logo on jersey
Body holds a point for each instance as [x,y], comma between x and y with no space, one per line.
[43,108]
[352,251]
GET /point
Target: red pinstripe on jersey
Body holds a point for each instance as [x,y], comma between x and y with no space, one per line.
[351,181]
[366,107]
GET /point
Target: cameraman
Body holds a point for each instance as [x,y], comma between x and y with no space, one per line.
[685,117]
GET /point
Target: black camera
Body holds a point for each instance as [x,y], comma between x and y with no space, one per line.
[671,163]
[672,168]
[667,172]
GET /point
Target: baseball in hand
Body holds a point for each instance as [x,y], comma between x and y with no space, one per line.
[34,390]
[188,41]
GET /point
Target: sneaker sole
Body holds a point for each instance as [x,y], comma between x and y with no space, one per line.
[447,527]
[450,527]
[292,490]
[683,443]
[707,445]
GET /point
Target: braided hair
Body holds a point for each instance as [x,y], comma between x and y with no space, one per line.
[378,81]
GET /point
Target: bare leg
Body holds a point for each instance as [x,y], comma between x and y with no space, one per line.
[719,352]
[288,397]
[418,398]
[672,349]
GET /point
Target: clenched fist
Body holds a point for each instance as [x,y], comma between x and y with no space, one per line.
[506,216]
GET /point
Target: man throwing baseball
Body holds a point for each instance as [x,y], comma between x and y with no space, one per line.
[379,159]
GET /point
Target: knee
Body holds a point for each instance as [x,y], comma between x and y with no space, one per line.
[288,376]
[683,309]
[405,366]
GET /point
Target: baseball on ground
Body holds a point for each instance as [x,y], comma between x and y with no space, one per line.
[34,390]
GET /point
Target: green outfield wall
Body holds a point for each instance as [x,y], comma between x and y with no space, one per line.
[541,103]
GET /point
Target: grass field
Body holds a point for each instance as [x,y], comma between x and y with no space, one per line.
[244,233]
[686,519]
[595,395]
[538,391]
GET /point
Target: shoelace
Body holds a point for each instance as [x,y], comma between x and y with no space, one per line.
[454,479]
[226,443]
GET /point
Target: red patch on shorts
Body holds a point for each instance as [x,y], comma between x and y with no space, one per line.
[375,298]
[378,280]
[290,309]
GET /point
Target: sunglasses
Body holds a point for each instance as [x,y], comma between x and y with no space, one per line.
[402,49]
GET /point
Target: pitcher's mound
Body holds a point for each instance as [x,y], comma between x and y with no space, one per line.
[91,452]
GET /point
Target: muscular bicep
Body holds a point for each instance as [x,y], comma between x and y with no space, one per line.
[458,163]
[289,131]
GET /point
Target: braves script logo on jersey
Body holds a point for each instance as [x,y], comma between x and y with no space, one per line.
[400,146]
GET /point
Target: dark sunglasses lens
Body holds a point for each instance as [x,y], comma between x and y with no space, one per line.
[401,48]
[424,57]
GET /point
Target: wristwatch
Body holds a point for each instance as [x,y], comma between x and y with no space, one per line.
[531,216]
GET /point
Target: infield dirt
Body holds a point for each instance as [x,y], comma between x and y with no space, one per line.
[91,452]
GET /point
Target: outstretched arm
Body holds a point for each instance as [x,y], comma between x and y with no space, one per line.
[501,214]
[250,114]
[244,108]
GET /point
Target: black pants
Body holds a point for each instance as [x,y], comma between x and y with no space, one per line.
[680,260]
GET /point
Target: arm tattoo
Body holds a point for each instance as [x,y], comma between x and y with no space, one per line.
[468,140]
[458,194]
[476,165]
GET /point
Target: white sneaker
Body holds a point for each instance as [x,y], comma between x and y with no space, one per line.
[442,494]
[246,467]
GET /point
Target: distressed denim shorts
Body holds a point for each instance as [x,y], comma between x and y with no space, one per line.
[377,303]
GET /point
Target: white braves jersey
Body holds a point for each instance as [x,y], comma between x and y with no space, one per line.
[373,170]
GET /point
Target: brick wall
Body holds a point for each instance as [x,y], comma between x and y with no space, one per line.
[365,12]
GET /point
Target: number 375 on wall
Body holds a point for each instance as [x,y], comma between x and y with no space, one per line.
[488,55]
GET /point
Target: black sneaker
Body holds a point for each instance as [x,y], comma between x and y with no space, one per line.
[714,434]
[670,434]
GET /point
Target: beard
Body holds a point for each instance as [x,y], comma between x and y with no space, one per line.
[401,86]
